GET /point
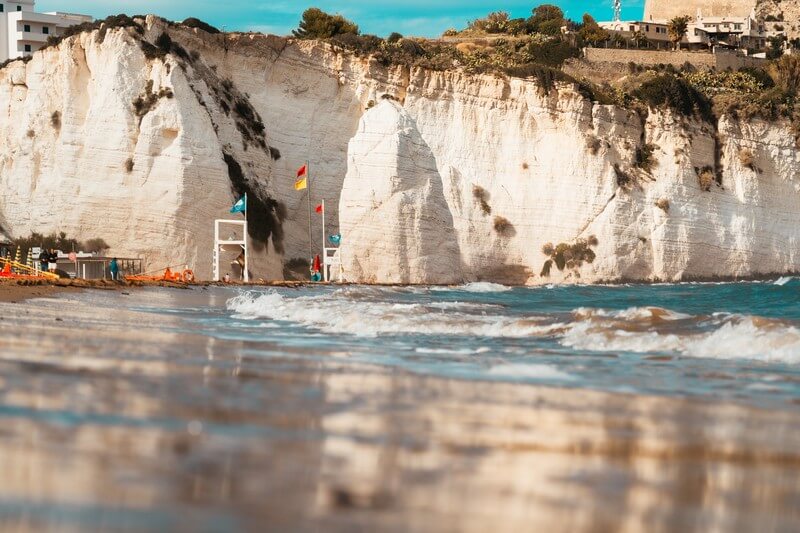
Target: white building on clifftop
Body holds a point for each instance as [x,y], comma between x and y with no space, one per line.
[23,32]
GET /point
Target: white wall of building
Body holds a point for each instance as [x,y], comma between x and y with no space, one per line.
[22,31]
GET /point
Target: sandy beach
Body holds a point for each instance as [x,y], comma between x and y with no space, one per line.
[12,291]
[133,410]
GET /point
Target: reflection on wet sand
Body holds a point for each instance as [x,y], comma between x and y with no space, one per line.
[132,421]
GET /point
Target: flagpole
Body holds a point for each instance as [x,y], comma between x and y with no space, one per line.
[308,197]
[246,272]
[324,251]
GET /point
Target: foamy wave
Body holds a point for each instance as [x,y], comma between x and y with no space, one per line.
[783,281]
[477,286]
[636,330]
[632,314]
[340,312]
[730,336]
[518,370]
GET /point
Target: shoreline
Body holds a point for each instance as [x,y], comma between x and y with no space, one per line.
[15,290]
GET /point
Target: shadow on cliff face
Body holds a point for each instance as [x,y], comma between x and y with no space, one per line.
[506,274]
[265,215]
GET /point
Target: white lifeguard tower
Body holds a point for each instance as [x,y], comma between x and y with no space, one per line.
[237,240]
[330,257]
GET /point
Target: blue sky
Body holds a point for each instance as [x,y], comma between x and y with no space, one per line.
[426,18]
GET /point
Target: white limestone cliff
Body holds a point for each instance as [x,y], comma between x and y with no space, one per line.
[393,210]
[460,178]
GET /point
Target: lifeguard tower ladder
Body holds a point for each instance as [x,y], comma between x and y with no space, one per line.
[220,243]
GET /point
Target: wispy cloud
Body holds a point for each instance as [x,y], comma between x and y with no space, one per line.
[410,17]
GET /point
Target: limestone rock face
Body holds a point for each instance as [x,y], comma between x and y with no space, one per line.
[456,178]
[398,226]
[78,157]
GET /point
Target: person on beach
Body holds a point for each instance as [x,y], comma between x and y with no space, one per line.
[226,278]
[44,259]
[52,259]
[114,268]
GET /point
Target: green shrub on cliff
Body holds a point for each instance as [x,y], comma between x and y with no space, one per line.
[546,19]
[316,24]
[192,22]
[496,22]
[676,94]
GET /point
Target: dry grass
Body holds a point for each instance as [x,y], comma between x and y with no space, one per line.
[706,178]
[482,196]
[594,144]
[747,159]
[129,165]
[663,204]
[504,227]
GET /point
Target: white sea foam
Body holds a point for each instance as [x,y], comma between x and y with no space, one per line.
[476,286]
[345,312]
[519,370]
[637,330]
[783,281]
[452,351]
[732,337]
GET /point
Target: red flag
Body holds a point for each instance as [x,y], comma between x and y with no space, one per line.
[302,171]
[319,208]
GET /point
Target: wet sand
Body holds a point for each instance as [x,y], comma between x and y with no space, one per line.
[13,291]
[113,419]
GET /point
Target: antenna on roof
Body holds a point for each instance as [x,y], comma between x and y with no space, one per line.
[617,10]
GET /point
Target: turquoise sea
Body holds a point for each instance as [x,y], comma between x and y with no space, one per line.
[736,341]
[357,408]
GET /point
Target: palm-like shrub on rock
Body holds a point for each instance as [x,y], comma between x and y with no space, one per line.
[316,24]
[569,256]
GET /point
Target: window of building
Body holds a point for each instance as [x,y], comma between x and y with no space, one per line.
[27,48]
[26,28]
[19,8]
[46,30]
[2,8]
[647,27]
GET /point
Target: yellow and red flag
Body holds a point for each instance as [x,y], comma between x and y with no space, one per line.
[302,178]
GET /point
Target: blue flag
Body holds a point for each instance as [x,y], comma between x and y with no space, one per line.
[336,239]
[240,206]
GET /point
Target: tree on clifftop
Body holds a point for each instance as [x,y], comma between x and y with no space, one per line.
[316,24]
[591,32]
[546,19]
[677,28]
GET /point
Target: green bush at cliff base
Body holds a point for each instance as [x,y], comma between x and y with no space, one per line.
[60,241]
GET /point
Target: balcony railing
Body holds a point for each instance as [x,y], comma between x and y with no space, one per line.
[32,37]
